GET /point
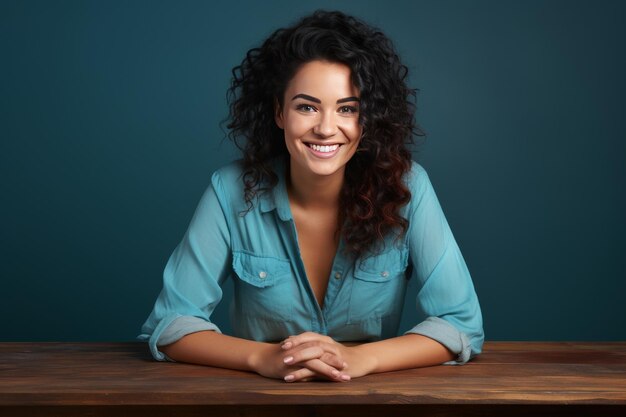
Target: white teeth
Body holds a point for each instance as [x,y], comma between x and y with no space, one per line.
[329,148]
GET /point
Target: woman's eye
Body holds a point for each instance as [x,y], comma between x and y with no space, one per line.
[348,109]
[305,107]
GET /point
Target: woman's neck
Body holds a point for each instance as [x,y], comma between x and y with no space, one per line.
[315,191]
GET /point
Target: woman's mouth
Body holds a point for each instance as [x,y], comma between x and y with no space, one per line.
[323,151]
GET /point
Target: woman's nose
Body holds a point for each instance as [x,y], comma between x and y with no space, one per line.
[326,126]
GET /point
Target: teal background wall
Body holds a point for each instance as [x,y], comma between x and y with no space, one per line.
[109,130]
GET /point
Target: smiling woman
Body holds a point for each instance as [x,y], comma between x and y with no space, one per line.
[320,225]
[321,131]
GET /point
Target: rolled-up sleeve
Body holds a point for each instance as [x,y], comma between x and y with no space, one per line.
[193,277]
[446,294]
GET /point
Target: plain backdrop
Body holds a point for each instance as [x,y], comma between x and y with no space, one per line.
[110,128]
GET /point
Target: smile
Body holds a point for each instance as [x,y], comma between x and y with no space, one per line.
[323,148]
[323,151]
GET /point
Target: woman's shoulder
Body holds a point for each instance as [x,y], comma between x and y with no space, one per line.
[230,173]
[416,178]
[418,182]
[417,168]
[228,184]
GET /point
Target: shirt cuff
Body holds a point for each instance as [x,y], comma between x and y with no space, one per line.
[183,326]
[173,328]
[443,332]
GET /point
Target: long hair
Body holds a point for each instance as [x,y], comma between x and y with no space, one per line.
[373,191]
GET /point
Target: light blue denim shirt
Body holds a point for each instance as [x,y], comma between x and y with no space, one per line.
[272,296]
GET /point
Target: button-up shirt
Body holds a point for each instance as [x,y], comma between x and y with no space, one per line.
[273,299]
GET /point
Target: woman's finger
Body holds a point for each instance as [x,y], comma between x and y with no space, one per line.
[321,368]
[317,350]
[317,368]
[296,340]
[299,375]
[334,361]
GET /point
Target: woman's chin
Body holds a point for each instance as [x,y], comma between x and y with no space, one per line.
[324,169]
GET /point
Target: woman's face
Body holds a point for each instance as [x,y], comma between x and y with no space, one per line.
[320,117]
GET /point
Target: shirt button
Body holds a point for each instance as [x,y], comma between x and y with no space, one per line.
[262,274]
[384,274]
[338,275]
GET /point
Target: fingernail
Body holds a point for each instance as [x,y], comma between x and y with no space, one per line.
[289,378]
[345,377]
[287,345]
[345,364]
[288,359]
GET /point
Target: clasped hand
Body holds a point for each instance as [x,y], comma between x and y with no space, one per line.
[309,356]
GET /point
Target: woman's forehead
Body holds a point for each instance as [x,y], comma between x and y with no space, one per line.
[322,79]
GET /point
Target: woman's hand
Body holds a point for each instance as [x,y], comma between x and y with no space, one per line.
[305,348]
[269,362]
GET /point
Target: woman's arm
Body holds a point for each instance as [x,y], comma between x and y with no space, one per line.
[446,295]
[405,352]
[217,349]
[214,349]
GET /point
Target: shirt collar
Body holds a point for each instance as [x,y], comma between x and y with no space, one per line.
[277,198]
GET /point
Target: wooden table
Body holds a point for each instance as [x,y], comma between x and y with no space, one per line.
[119,379]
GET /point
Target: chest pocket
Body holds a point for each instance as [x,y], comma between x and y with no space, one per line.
[379,285]
[265,288]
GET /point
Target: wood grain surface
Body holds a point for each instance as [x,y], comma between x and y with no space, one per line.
[512,378]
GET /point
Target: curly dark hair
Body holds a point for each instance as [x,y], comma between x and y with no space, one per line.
[373,191]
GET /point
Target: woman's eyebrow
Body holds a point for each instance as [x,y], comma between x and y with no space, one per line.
[348,99]
[317,100]
[306,97]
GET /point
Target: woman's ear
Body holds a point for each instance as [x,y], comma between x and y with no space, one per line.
[278,114]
